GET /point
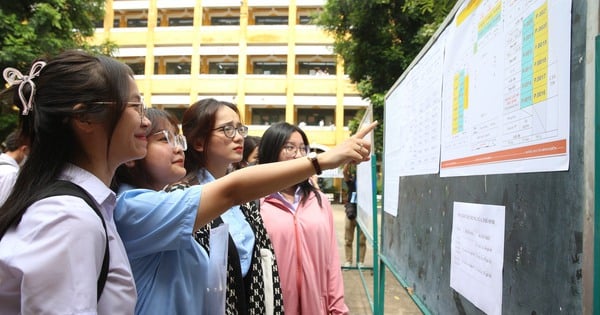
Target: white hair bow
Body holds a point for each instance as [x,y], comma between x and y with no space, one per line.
[14,76]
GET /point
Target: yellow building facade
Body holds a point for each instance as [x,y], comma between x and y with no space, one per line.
[264,56]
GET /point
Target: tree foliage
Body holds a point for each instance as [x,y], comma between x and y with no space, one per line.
[30,29]
[34,28]
[378,39]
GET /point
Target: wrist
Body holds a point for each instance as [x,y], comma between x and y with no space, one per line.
[313,158]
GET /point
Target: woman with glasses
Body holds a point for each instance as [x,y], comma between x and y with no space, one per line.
[61,253]
[156,227]
[217,134]
[165,147]
[299,220]
[170,268]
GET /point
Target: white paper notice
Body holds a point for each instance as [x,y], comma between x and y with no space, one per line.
[506,94]
[477,252]
[413,121]
[365,181]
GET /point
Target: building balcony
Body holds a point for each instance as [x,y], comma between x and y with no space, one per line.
[253,84]
[212,35]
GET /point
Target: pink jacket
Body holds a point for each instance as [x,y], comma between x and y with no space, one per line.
[307,256]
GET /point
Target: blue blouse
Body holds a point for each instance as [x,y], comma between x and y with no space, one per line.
[169,266]
[239,228]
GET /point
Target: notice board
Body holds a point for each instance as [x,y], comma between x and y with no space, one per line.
[524,154]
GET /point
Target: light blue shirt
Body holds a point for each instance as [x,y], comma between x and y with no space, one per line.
[169,266]
[239,228]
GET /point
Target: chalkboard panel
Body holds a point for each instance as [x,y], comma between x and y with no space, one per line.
[543,252]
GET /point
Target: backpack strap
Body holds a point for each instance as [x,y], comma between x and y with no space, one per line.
[63,187]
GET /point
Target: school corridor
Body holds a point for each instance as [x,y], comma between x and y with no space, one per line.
[397,300]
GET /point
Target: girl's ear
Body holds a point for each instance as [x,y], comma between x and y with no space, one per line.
[130,164]
[81,121]
[199,145]
[83,124]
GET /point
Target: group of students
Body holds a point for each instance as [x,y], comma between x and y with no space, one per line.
[137,240]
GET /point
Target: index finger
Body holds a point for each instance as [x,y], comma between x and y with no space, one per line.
[365,131]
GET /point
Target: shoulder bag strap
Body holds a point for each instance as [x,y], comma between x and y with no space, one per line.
[63,187]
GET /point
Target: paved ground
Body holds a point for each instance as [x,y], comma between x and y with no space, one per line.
[397,301]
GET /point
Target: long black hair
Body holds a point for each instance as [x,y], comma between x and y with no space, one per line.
[71,78]
[271,144]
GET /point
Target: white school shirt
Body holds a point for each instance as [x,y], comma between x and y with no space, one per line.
[9,169]
[50,262]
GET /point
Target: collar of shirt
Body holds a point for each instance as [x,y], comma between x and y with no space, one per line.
[292,206]
[8,160]
[103,195]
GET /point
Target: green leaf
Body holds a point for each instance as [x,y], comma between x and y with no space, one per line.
[33,28]
[378,39]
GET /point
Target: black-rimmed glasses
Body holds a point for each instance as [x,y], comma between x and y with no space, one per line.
[139,107]
[230,131]
[292,150]
[173,140]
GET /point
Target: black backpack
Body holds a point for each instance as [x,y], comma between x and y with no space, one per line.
[63,187]
[350,210]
